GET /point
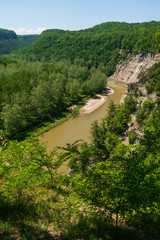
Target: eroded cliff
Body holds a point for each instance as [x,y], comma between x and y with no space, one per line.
[128,70]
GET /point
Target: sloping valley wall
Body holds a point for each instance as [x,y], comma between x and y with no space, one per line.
[128,70]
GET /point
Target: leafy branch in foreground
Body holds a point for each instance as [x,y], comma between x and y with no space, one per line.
[25,167]
[125,181]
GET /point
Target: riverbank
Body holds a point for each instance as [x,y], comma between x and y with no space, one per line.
[48,125]
[91,105]
[94,103]
[79,127]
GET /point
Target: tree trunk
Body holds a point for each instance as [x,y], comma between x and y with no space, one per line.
[116,237]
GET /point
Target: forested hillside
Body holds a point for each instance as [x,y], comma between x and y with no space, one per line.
[151,79]
[105,43]
[28,39]
[34,92]
[112,188]
[9,41]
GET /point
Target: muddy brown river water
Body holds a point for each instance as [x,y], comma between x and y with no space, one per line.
[79,128]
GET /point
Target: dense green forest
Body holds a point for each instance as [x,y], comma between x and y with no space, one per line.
[112,190]
[105,43]
[9,41]
[34,92]
[151,79]
[40,81]
[28,39]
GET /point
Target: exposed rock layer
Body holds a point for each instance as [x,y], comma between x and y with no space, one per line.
[128,70]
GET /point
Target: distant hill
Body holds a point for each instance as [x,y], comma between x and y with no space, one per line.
[28,39]
[105,43]
[9,41]
[7,34]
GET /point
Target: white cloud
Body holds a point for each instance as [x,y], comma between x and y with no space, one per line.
[40,29]
[23,31]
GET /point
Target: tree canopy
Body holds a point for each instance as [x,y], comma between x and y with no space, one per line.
[9,41]
[105,43]
[113,188]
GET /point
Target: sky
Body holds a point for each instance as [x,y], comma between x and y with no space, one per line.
[34,16]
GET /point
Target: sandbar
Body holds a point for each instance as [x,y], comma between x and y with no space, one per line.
[94,103]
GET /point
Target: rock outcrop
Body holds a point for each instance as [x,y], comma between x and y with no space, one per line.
[128,70]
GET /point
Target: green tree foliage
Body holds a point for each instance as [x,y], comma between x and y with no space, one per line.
[24,166]
[118,116]
[9,41]
[28,39]
[151,78]
[104,138]
[123,180]
[6,60]
[30,189]
[133,136]
[106,43]
[107,178]
[33,92]
[143,111]
[95,82]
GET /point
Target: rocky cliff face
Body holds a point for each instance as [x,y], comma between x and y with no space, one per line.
[128,70]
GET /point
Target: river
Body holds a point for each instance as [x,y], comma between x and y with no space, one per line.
[79,128]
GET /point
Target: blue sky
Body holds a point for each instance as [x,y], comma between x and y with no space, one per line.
[33,16]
